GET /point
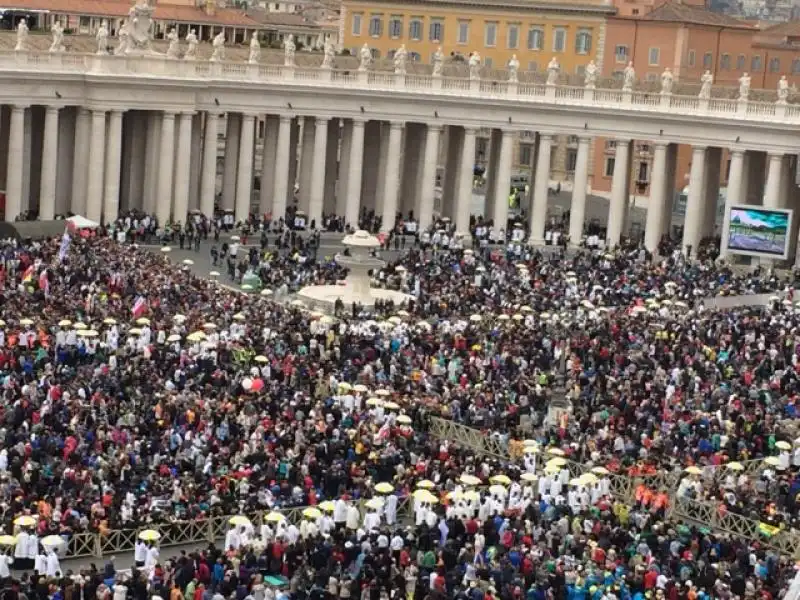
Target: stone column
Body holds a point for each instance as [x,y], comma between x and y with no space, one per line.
[711,191]
[208,183]
[656,205]
[538,214]
[331,167]
[183,167]
[733,197]
[344,168]
[14,174]
[81,165]
[318,170]
[232,128]
[354,173]
[427,183]
[113,166]
[281,179]
[244,184]
[620,186]
[151,161]
[166,164]
[371,181]
[391,185]
[268,158]
[97,151]
[307,163]
[466,176]
[772,189]
[47,194]
[454,136]
[501,179]
[578,206]
[65,160]
[195,165]
[695,211]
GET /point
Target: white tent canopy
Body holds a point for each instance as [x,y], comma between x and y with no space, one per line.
[80,222]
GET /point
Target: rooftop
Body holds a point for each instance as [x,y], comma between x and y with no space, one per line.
[116,8]
[677,12]
[515,5]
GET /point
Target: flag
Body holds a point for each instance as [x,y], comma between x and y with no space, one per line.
[27,276]
[767,530]
[139,307]
[44,282]
[62,251]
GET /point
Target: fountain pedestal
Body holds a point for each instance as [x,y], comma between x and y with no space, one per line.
[356,286]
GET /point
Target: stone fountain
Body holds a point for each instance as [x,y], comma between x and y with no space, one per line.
[356,287]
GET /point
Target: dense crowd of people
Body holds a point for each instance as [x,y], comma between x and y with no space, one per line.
[135,392]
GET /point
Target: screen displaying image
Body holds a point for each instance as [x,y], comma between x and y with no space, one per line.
[759,231]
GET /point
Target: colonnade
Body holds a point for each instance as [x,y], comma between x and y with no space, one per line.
[98,162]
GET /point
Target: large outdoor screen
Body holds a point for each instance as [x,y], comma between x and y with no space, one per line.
[759,231]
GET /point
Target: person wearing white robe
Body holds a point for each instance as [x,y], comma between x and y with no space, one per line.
[5,563]
[266,534]
[233,539]
[326,524]
[390,509]
[372,520]
[53,566]
[40,564]
[151,558]
[419,513]
[21,547]
[139,553]
[32,546]
[544,485]
[292,534]
[431,519]
[353,518]
[340,513]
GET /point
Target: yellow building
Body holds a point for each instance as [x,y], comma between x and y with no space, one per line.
[497,29]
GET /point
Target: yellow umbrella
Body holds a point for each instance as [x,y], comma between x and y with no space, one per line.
[374,402]
[467,479]
[532,450]
[589,477]
[600,470]
[345,386]
[239,317]
[577,481]
[426,484]
[53,540]
[213,273]
[455,495]
[404,419]
[360,388]
[556,462]
[395,320]
[239,520]
[87,333]
[423,495]
[274,517]
[556,451]
[7,540]
[2,323]
[174,338]
[693,470]
[149,535]
[209,326]
[247,287]
[375,503]
[64,323]
[261,359]
[110,321]
[25,521]
[472,495]
[80,326]
[179,318]
[134,331]
[383,392]
[528,477]
[772,461]
[497,490]
[26,321]
[188,261]
[327,506]
[312,513]
[783,445]
[384,488]
[266,292]
[503,317]
[392,405]
[735,466]
[143,321]
[197,336]
[502,479]
[550,469]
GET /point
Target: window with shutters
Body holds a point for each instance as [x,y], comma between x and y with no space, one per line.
[490,34]
[583,41]
[437,29]
[376,25]
[559,39]
[396,27]
[535,38]
[415,29]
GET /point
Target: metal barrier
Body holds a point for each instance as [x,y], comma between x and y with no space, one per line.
[184,533]
[623,487]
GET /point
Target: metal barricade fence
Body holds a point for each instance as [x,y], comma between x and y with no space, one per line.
[623,489]
[184,533]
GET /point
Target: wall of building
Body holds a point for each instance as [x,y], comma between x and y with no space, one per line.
[495,34]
